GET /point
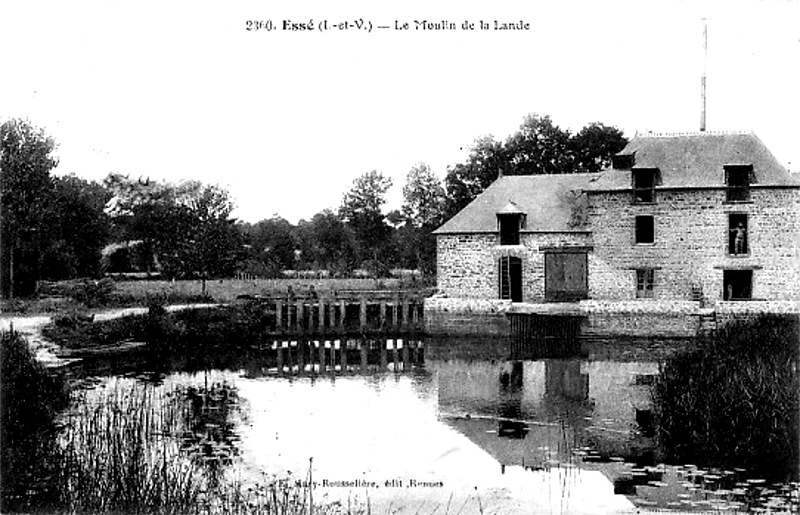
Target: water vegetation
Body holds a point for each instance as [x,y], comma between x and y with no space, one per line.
[734,400]
[132,447]
[127,446]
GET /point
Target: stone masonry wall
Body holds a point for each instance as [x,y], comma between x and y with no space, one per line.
[460,316]
[691,244]
[468,264]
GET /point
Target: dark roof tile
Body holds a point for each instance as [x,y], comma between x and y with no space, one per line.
[545,199]
[697,160]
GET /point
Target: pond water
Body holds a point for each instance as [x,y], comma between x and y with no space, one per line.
[445,426]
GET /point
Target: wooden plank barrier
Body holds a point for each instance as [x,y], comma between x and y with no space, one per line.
[354,313]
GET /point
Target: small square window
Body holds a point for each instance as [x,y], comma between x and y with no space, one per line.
[645,278]
[737,234]
[737,284]
[645,229]
[737,178]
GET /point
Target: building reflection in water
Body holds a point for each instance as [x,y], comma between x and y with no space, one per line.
[540,413]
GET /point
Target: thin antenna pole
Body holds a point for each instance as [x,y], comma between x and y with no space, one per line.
[703,78]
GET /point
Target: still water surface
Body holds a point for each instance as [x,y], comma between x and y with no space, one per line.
[460,427]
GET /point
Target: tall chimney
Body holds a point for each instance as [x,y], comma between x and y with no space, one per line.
[703,78]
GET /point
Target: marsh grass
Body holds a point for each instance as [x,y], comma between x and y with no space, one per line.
[117,455]
[128,447]
[733,401]
[135,448]
[30,399]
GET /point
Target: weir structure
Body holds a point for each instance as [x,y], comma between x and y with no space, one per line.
[344,312]
[538,336]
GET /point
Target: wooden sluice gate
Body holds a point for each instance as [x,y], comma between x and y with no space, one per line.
[340,357]
[343,312]
[541,336]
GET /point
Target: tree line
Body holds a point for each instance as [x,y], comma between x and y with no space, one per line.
[61,227]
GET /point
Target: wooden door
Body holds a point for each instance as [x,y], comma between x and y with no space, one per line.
[565,276]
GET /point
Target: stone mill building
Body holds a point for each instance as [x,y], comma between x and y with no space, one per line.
[679,222]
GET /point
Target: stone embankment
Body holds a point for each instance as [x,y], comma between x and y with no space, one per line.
[648,318]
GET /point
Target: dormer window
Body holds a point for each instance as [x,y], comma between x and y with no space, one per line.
[623,161]
[737,179]
[510,220]
[509,229]
[644,186]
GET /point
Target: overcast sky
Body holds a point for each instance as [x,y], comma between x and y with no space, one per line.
[287,119]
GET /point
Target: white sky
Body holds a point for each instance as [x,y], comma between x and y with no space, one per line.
[287,120]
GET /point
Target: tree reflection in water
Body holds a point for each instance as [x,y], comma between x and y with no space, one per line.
[210,416]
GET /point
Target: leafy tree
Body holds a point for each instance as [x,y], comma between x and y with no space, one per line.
[424,202]
[146,211]
[185,228]
[214,243]
[537,147]
[77,228]
[423,197]
[368,195]
[361,211]
[272,244]
[465,181]
[327,243]
[26,159]
[594,145]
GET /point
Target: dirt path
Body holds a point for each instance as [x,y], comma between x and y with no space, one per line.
[31,328]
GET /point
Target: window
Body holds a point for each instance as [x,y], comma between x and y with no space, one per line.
[737,284]
[645,231]
[645,278]
[737,178]
[623,161]
[509,228]
[737,234]
[644,184]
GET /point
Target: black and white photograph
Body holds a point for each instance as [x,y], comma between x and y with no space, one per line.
[383,258]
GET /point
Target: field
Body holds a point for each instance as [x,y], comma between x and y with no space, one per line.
[80,294]
[225,290]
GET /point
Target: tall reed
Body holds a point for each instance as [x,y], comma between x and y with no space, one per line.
[138,448]
[118,454]
[735,400]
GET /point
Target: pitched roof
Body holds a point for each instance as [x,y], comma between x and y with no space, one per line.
[697,160]
[544,199]
[511,209]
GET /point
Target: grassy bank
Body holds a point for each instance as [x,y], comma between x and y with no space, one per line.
[200,328]
[30,398]
[734,401]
